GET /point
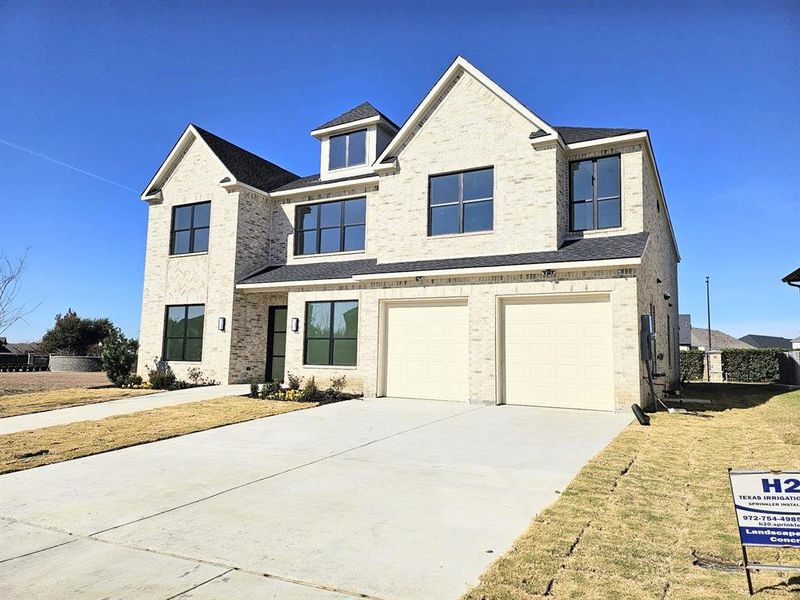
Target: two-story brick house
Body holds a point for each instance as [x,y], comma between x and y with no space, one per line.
[475,253]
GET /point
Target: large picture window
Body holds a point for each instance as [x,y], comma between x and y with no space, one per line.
[331,333]
[330,227]
[461,202]
[594,194]
[348,150]
[190,224]
[183,332]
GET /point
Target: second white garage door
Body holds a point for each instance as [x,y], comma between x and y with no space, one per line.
[427,351]
[558,352]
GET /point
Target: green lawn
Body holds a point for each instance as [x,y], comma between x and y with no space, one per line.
[641,515]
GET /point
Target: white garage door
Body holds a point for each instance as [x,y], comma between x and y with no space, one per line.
[426,351]
[558,352]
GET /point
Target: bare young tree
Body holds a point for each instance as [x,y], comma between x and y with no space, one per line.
[11,310]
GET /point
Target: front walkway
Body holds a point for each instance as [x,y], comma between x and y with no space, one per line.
[387,498]
[101,410]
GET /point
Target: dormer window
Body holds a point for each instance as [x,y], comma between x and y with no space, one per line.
[348,149]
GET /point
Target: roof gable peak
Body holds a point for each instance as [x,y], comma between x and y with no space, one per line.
[442,86]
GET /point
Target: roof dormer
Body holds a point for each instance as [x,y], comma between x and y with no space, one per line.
[351,142]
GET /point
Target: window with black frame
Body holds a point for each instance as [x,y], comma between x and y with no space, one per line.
[190,224]
[461,202]
[183,332]
[594,194]
[338,226]
[331,333]
[348,149]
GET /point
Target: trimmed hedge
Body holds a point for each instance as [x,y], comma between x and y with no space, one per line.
[692,363]
[754,365]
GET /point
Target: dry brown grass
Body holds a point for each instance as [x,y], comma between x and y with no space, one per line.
[633,522]
[28,449]
[33,402]
[18,383]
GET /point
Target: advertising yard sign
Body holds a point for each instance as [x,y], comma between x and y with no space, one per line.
[767,507]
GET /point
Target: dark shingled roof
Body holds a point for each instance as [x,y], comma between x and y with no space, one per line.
[311,180]
[246,166]
[719,340]
[362,111]
[572,135]
[685,330]
[613,247]
[792,277]
[767,341]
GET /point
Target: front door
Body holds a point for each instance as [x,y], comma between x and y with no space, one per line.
[276,343]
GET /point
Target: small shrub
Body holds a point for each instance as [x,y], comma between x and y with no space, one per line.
[339,383]
[270,389]
[692,362]
[293,381]
[309,392]
[119,357]
[161,377]
[254,388]
[756,365]
[195,375]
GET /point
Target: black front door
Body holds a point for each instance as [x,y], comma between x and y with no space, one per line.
[276,343]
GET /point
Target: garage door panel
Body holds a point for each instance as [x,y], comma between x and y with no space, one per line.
[427,351]
[558,352]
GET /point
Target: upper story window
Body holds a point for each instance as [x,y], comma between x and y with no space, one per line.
[330,226]
[348,149]
[594,194]
[183,332]
[461,202]
[190,228]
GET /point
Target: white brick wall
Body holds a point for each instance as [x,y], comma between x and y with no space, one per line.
[482,294]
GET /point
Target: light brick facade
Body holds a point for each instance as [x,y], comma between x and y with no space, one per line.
[467,126]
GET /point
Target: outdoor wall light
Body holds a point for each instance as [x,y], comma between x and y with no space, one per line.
[295,324]
[221,323]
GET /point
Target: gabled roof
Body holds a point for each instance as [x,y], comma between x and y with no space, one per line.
[685,330]
[719,340]
[364,110]
[245,166]
[571,135]
[767,341]
[459,66]
[605,248]
[242,165]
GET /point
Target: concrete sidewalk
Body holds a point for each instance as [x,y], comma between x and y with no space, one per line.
[101,410]
[387,499]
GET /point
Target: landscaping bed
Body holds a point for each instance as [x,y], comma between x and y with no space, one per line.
[28,449]
[651,516]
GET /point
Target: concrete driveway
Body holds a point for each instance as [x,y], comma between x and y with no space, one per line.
[378,499]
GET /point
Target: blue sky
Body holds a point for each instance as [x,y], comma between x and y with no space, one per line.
[108,87]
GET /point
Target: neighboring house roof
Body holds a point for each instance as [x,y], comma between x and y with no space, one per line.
[571,135]
[19,347]
[312,180]
[685,330]
[248,168]
[362,111]
[792,277]
[719,340]
[616,247]
[767,341]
